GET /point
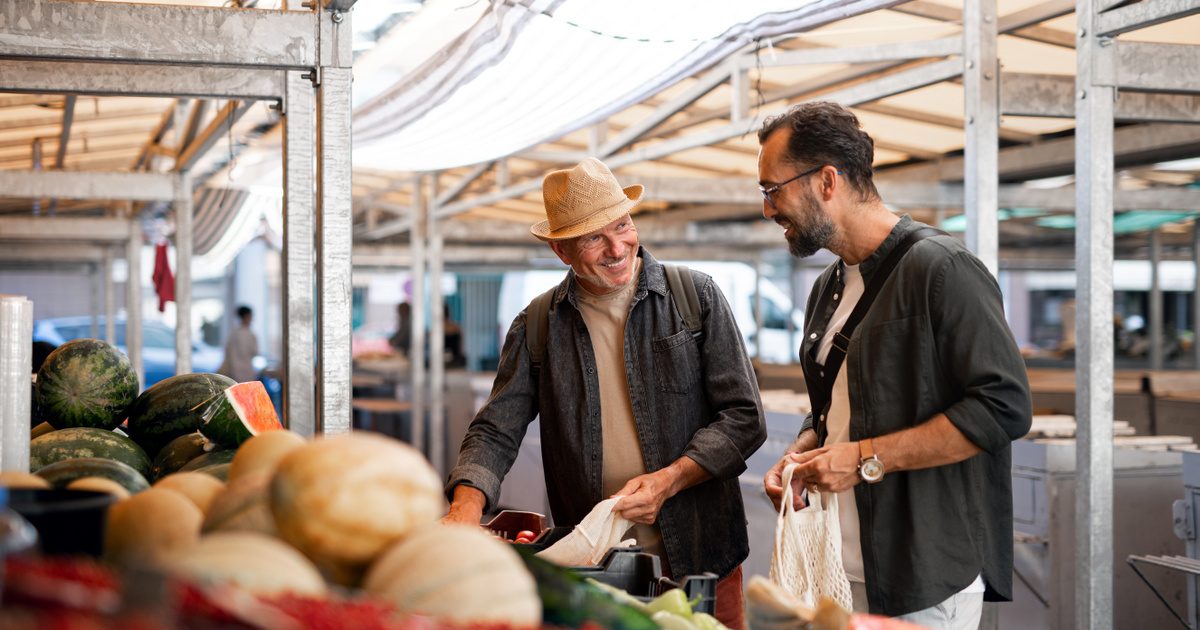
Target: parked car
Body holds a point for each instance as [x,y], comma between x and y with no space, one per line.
[158,344]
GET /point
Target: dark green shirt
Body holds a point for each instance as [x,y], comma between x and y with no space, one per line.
[934,341]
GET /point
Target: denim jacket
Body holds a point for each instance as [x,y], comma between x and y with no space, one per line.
[934,341]
[691,395]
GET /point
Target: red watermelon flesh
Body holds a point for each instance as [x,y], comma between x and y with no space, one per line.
[235,415]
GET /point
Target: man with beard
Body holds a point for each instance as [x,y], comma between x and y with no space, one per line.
[634,401]
[913,429]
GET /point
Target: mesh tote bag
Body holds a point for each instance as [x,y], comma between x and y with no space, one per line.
[807,561]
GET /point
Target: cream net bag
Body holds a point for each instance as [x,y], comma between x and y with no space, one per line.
[807,561]
[598,532]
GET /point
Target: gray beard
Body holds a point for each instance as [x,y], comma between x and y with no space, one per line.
[806,241]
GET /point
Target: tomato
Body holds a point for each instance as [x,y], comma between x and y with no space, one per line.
[525,533]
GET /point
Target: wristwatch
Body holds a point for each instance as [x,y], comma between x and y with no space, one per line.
[870,469]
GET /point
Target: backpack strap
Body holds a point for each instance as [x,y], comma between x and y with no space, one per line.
[537,327]
[683,292]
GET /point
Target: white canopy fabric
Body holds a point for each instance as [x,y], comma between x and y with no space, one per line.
[533,70]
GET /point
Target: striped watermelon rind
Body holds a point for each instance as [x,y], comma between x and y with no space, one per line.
[165,410]
[179,452]
[79,442]
[86,383]
[239,413]
[59,474]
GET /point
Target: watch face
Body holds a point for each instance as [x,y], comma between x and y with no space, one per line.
[871,470]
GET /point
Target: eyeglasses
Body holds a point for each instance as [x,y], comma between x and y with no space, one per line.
[768,193]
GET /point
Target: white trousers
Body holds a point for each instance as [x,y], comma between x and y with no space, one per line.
[961,611]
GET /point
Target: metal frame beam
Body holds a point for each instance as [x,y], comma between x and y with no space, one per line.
[183,275]
[694,92]
[216,129]
[1155,67]
[299,203]
[1139,15]
[144,33]
[88,229]
[437,339]
[88,185]
[1094,174]
[903,51]
[463,183]
[1048,95]
[981,68]
[123,79]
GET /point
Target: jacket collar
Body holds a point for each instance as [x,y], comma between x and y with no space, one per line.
[899,231]
[650,278]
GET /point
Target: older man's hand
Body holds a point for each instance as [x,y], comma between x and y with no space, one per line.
[643,496]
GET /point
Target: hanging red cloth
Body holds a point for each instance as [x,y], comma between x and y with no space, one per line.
[164,280]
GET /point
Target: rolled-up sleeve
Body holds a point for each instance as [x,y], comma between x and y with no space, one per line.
[977,348]
[738,427]
[494,438]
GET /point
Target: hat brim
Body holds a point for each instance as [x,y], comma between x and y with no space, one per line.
[633,198]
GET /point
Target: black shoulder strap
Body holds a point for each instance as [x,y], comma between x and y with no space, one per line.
[537,326]
[683,292]
[841,339]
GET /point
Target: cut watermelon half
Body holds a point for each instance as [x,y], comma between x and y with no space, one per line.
[235,415]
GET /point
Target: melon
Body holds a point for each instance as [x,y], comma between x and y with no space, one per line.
[145,528]
[87,442]
[165,410]
[62,473]
[263,452]
[86,383]
[199,488]
[178,452]
[238,413]
[220,472]
[458,574]
[99,484]
[40,430]
[16,479]
[257,563]
[343,500]
[243,505]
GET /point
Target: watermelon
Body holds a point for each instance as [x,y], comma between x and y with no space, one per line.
[164,411]
[208,459]
[87,442]
[242,411]
[60,474]
[179,452]
[86,383]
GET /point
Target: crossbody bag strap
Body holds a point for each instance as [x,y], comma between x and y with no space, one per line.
[841,338]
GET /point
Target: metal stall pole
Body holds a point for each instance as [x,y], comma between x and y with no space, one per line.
[1196,295]
[110,295]
[981,176]
[758,308]
[437,338]
[1156,301]
[299,411]
[1093,323]
[94,300]
[334,230]
[793,279]
[183,274]
[133,299]
[416,344]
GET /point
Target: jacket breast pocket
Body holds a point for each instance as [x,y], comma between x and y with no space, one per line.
[676,362]
[900,365]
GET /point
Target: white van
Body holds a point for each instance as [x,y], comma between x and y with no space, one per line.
[735,279]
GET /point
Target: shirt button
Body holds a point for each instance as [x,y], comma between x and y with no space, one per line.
[591,370]
[835,296]
[813,336]
[822,373]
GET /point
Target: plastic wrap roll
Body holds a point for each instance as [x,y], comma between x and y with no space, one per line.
[16,359]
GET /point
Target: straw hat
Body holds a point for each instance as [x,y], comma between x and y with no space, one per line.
[582,200]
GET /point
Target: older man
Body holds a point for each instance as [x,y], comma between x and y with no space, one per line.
[632,401]
[914,428]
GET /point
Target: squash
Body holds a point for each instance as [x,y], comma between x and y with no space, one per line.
[260,564]
[458,574]
[243,505]
[342,500]
[99,484]
[145,528]
[263,452]
[15,479]
[198,487]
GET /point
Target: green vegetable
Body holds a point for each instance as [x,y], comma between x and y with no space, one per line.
[671,621]
[619,595]
[569,601]
[705,621]
[673,601]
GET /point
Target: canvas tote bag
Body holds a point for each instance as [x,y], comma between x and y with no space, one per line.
[591,539]
[807,561]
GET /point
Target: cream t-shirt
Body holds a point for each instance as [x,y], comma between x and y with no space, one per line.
[605,317]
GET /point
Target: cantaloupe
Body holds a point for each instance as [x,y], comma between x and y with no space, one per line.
[260,564]
[198,487]
[16,479]
[457,573]
[263,452]
[343,500]
[243,505]
[99,484]
[145,528]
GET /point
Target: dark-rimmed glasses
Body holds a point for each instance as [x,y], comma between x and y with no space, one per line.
[768,193]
